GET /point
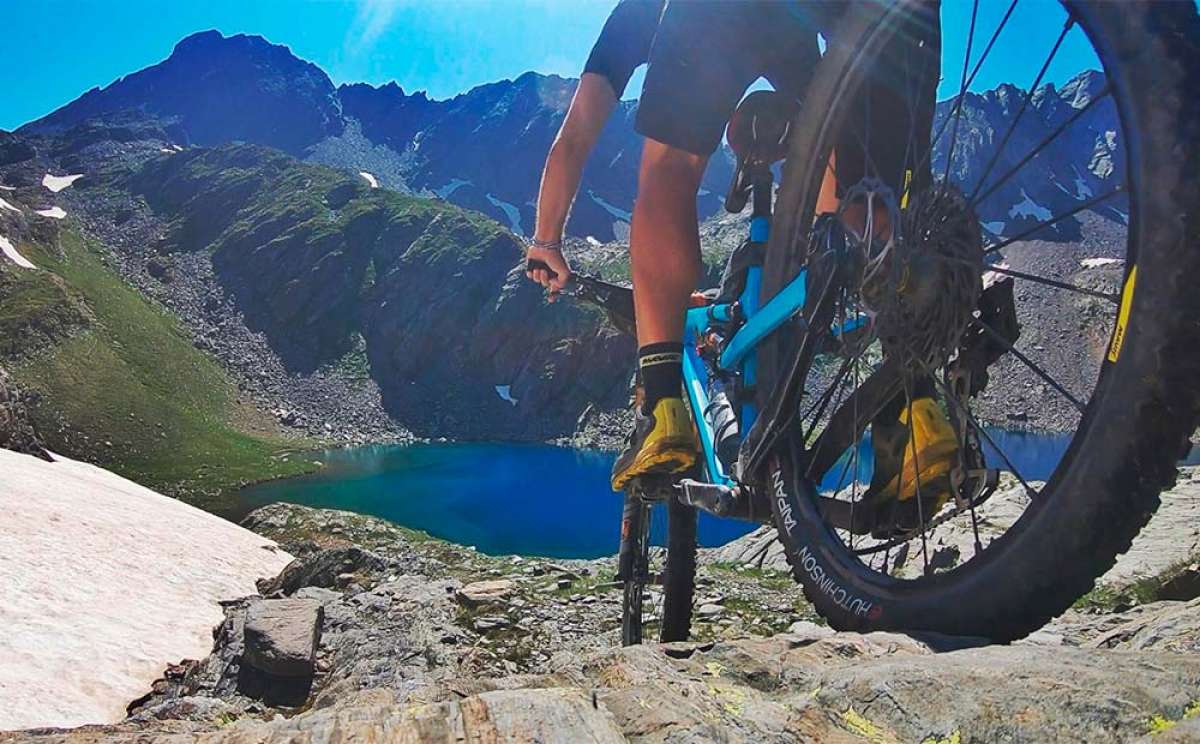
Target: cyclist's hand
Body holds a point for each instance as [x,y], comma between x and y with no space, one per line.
[559,272]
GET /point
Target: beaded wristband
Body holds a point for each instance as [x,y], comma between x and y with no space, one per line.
[548,245]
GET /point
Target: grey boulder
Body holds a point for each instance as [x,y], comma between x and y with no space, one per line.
[282,636]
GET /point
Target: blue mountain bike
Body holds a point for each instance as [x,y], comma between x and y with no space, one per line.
[978,294]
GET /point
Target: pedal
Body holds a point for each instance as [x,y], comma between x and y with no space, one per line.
[713,498]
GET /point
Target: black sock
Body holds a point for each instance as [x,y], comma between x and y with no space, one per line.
[662,375]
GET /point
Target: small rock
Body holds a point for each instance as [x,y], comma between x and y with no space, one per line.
[710,610]
[318,593]
[809,630]
[483,592]
[484,624]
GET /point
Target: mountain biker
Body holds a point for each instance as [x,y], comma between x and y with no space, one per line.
[702,57]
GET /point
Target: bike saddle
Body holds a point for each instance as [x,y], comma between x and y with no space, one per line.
[758,135]
[759,128]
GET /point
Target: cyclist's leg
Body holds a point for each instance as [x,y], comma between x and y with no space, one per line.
[892,122]
[893,113]
[701,62]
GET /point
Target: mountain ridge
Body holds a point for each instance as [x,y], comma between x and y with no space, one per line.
[483,148]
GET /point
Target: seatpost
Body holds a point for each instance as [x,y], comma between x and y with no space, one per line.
[761,181]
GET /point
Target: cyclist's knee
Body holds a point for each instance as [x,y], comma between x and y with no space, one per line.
[664,166]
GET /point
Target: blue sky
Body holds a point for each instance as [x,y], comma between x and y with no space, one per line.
[55,50]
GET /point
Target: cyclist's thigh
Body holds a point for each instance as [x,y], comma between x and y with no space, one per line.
[787,44]
[701,63]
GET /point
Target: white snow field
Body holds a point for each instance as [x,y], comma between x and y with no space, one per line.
[54,213]
[58,183]
[9,207]
[370,178]
[102,584]
[10,250]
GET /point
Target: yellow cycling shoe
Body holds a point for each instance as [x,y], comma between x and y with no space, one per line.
[663,441]
[927,465]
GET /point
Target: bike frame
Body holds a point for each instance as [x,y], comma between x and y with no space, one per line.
[740,353]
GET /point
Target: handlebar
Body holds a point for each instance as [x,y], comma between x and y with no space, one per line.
[615,300]
[534,265]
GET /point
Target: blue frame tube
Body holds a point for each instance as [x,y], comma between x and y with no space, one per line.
[741,349]
[696,382]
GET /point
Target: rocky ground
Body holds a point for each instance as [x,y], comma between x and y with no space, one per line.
[16,431]
[379,633]
[1159,564]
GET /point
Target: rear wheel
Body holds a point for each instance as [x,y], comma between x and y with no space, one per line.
[1116,257]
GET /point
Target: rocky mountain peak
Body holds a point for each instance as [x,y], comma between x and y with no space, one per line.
[221,88]
[1082,88]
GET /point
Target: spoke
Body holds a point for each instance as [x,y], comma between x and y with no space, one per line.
[1110,296]
[949,395]
[1053,220]
[958,103]
[962,90]
[1012,128]
[818,408]
[912,441]
[1033,366]
[856,442]
[977,197]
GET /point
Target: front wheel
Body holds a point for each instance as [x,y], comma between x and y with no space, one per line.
[658,582]
[1103,257]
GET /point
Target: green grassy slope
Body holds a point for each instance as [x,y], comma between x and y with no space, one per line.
[128,390]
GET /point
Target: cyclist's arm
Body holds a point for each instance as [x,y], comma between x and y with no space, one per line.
[593,102]
[623,45]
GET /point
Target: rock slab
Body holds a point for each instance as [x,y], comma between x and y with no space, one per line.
[485,592]
[282,636]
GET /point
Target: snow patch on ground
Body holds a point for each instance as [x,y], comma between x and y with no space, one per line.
[54,213]
[106,583]
[505,393]
[617,212]
[1095,263]
[511,212]
[591,239]
[1082,190]
[370,179]
[1054,180]
[1027,207]
[7,188]
[454,185]
[6,205]
[9,250]
[58,183]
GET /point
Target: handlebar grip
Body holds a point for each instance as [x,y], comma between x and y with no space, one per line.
[534,265]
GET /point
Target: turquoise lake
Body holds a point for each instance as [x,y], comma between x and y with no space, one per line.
[527,499]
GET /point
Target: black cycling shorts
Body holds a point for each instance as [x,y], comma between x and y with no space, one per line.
[624,43]
[704,56]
